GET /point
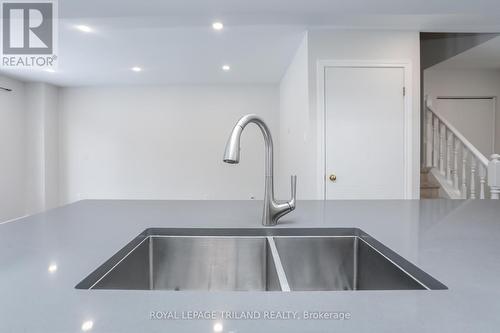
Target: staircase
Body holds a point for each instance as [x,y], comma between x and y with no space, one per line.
[453,167]
[429,186]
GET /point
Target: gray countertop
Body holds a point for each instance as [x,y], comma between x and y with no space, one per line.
[457,242]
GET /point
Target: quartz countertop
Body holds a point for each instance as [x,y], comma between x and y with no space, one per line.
[456,242]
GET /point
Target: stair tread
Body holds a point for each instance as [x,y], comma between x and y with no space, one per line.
[429,194]
[429,181]
[429,187]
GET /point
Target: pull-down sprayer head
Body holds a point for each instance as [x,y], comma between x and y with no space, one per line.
[232,151]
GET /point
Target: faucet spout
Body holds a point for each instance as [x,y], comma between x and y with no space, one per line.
[273,209]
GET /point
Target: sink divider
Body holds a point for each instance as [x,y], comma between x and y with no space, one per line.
[279,267]
[151,263]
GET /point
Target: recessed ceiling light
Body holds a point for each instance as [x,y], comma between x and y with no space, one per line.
[83,28]
[217,25]
[136,69]
[87,325]
[226,68]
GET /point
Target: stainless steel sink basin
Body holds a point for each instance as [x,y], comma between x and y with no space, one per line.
[257,260]
[195,263]
[339,263]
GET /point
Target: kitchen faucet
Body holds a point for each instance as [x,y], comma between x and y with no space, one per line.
[273,210]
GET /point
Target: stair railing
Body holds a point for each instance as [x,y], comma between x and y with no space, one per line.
[459,165]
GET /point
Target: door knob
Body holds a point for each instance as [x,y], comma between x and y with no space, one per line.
[333,177]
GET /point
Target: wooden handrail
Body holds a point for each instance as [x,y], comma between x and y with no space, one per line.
[479,156]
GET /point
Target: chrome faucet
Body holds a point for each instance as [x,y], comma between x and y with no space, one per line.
[273,210]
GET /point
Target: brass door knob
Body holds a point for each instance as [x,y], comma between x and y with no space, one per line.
[333,177]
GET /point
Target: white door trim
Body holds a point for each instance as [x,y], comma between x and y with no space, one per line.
[410,190]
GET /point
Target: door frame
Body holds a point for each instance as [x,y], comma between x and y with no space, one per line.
[410,191]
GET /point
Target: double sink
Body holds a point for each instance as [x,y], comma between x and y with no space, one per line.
[316,259]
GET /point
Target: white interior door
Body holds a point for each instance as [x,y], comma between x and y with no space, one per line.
[364,132]
[473,117]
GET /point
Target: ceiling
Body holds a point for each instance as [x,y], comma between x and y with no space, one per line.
[483,56]
[310,12]
[174,55]
[172,40]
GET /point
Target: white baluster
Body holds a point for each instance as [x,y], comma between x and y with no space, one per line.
[494,176]
[455,164]
[472,177]
[442,147]
[482,181]
[464,172]
[429,145]
[449,145]
[436,143]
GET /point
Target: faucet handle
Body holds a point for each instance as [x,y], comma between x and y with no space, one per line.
[293,183]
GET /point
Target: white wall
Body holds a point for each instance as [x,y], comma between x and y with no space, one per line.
[161,142]
[352,45]
[43,148]
[294,108]
[12,149]
[464,82]
[51,146]
[28,148]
